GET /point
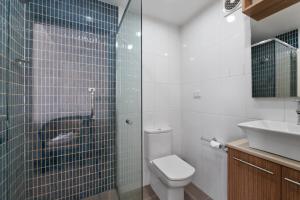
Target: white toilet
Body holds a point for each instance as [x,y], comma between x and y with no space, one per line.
[169,173]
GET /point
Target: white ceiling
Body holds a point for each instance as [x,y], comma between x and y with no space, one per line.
[173,11]
[278,23]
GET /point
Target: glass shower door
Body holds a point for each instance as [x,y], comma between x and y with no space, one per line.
[129,112]
[11,100]
[3,71]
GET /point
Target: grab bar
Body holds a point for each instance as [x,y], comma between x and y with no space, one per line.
[21,61]
[92,93]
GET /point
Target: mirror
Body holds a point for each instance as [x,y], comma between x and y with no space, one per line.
[275,54]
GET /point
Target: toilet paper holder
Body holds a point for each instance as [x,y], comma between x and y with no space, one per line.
[220,146]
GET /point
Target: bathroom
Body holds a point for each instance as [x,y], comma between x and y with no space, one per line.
[149,99]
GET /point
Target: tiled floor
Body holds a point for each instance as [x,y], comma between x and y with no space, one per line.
[149,193]
[191,192]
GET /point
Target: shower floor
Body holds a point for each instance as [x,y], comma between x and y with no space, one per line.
[68,184]
[110,195]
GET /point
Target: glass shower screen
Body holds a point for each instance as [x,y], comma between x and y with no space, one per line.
[129,112]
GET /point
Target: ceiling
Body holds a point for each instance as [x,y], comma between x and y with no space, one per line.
[276,24]
[173,11]
[176,12]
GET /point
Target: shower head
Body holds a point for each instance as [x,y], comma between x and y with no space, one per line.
[92,90]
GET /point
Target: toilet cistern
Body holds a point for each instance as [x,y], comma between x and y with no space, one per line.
[168,172]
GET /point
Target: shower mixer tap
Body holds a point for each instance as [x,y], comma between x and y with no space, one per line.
[92,92]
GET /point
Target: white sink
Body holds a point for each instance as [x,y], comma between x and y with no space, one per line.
[275,137]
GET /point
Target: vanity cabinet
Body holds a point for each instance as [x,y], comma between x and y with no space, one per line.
[252,178]
[260,9]
[290,184]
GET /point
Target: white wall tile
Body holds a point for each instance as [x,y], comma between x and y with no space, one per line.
[149,67]
[161,69]
[232,96]
[222,75]
[148,96]
[290,110]
[161,80]
[232,62]
[212,57]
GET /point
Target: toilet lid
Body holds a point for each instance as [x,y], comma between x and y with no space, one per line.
[174,168]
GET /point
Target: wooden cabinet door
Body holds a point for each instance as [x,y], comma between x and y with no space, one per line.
[252,178]
[290,184]
[260,9]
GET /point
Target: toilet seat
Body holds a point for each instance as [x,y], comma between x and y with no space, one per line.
[174,168]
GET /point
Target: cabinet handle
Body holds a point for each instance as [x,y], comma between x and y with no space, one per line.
[251,165]
[291,181]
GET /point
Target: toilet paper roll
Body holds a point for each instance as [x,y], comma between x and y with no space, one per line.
[215,144]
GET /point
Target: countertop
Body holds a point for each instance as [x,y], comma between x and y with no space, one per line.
[243,146]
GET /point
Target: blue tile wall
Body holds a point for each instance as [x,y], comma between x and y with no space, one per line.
[71,47]
[290,37]
[263,70]
[15,103]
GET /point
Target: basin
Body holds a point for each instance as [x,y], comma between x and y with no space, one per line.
[279,138]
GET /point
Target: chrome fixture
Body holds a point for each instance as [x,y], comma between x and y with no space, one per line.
[298,111]
[292,181]
[21,61]
[222,145]
[128,121]
[254,166]
[92,92]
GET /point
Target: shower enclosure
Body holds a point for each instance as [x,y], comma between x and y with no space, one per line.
[274,69]
[70,100]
